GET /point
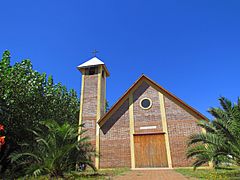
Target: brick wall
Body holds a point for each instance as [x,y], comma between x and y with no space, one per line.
[181,125]
[90,106]
[115,140]
[146,117]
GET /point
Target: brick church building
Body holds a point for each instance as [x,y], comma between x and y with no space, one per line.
[147,127]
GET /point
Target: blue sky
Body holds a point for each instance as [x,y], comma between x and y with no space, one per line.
[191,48]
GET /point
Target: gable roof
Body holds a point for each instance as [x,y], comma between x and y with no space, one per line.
[190,109]
[93,62]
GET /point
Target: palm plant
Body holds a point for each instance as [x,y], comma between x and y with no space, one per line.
[56,150]
[221,142]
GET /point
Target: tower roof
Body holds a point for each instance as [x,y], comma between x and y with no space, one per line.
[93,62]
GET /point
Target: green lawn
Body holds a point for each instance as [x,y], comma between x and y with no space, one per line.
[101,174]
[89,174]
[211,174]
[206,174]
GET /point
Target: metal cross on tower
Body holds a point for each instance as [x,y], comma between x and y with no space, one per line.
[95,53]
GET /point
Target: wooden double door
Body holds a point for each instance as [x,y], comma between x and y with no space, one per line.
[150,151]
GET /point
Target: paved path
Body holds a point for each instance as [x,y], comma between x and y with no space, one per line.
[151,175]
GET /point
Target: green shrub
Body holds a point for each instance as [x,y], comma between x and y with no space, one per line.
[56,150]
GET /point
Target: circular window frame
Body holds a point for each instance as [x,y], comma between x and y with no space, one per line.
[140,103]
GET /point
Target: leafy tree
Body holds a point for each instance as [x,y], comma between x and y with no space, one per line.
[221,142]
[56,145]
[28,97]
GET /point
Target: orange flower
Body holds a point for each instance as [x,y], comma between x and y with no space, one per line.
[2,140]
[1,127]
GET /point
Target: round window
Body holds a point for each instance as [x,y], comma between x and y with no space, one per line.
[146,103]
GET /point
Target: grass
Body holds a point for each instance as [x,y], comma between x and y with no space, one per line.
[231,173]
[102,174]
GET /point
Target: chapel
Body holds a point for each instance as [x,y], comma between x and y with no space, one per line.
[148,127]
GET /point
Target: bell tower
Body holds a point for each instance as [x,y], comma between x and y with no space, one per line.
[93,99]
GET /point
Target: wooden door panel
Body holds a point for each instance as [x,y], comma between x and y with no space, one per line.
[150,150]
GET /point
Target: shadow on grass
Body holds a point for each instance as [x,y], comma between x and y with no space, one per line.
[101,174]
